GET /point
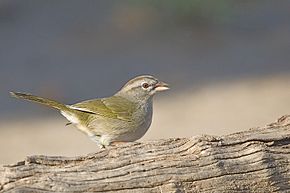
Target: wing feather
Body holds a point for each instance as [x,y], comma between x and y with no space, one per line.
[113,107]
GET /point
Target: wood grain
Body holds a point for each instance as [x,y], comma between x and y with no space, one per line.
[257,160]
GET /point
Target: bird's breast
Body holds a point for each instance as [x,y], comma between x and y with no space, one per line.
[141,123]
[144,115]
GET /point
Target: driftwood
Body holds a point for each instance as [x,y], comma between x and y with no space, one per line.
[257,160]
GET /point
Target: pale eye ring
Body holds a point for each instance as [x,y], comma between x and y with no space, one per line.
[145,85]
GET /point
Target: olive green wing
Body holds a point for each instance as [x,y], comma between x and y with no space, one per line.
[113,107]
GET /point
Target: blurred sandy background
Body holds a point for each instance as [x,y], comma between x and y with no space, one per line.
[227,63]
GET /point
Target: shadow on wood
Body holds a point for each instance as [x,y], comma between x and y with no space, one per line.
[257,160]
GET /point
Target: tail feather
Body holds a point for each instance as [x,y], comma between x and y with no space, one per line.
[40,100]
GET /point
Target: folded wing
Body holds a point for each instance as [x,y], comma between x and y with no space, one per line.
[115,107]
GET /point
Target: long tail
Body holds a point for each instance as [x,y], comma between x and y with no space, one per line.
[40,100]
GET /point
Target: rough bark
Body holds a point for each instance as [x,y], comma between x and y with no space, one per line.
[257,160]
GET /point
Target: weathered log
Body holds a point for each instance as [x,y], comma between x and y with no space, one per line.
[257,160]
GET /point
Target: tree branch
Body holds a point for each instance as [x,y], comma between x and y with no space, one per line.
[257,160]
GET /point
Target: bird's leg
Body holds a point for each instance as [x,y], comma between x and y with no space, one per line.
[96,139]
[67,124]
[101,146]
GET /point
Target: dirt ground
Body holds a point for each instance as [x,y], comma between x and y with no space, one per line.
[213,109]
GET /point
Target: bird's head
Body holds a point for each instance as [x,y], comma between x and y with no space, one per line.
[142,87]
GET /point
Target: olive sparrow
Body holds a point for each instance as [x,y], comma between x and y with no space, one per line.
[123,117]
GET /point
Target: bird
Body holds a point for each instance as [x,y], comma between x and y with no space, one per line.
[123,117]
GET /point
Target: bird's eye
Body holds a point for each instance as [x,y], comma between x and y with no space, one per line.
[145,85]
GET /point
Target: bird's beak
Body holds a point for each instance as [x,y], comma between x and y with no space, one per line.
[161,86]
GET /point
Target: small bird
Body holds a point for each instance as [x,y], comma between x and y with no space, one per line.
[123,117]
